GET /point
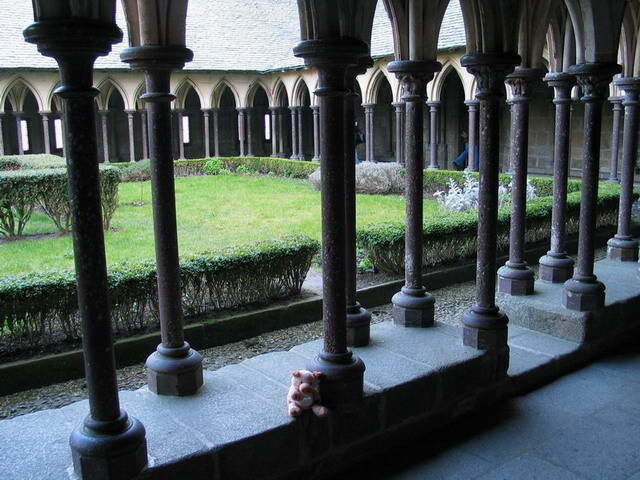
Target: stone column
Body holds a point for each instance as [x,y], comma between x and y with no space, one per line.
[515,277]
[18,119]
[207,141]
[369,139]
[132,143]
[46,136]
[300,134]
[556,266]
[343,372]
[241,130]
[145,135]
[281,116]
[274,131]
[316,132]
[216,132]
[413,306]
[109,440]
[615,138]
[1,135]
[249,126]
[358,318]
[174,368]
[179,114]
[484,325]
[399,111]
[104,118]
[623,246]
[434,110]
[294,130]
[472,106]
[584,292]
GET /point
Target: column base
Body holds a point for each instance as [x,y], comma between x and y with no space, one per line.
[516,279]
[358,326]
[174,371]
[315,159]
[485,328]
[583,294]
[293,157]
[109,451]
[555,268]
[612,180]
[433,167]
[623,249]
[342,382]
[413,307]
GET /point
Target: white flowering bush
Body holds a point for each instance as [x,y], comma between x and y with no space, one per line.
[459,198]
[373,178]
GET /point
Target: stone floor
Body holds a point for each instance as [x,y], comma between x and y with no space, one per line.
[583,426]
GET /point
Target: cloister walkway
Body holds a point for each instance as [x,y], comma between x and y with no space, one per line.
[583,426]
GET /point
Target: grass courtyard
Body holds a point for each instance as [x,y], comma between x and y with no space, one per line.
[213,212]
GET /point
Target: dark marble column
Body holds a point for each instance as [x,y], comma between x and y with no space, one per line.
[104,118]
[249,126]
[108,440]
[174,368]
[274,131]
[399,133]
[132,142]
[281,131]
[216,132]
[584,292]
[472,106]
[615,139]
[301,133]
[343,372]
[46,137]
[18,119]
[294,133]
[556,266]
[434,111]
[515,277]
[484,325]
[369,136]
[207,139]
[145,135]
[316,132]
[241,130]
[623,246]
[1,135]
[413,306]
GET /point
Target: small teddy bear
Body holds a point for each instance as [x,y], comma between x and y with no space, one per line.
[303,394]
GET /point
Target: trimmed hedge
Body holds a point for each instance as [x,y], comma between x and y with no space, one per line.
[453,236]
[21,191]
[280,167]
[31,162]
[41,308]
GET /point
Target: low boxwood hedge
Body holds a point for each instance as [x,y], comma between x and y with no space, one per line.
[21,191]
[41,308]
[31,162]
[453,236]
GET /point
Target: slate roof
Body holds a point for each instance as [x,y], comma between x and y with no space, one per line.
[227,35]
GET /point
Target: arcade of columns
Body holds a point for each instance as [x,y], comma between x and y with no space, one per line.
[335,42]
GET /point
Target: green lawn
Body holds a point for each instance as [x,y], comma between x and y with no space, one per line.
[212,212]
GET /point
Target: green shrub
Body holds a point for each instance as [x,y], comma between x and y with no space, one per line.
[41,308]
[23,190]
[265,165]
[136,172]
[453,236]
[31,162]
[213,166]
[188,168]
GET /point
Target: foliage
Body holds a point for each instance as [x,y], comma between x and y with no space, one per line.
[213,166]
[453,236]
[136,172]
[280,167]
[373,178]
[31,162]
[21,191]
[41,308]
[188,168]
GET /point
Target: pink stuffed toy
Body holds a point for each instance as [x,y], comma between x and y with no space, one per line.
[303,393]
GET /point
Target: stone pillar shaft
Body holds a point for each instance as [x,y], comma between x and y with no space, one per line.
[207,140]
[472,105]
[132,142]
[1,135]
[249,127]
[556,266]
[369,135]
[274,131]
[623,246]
[615,138]
[316,132]
[216,132]
[18,119]
[434,110]
[281,131]
[294,133]
[46,137]
[179,113]
[104,117]
[145,135]
[241,130]
[300,134]
[399,131]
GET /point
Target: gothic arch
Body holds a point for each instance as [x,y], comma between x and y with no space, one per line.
[183,89]
[138,92]
[219,90]
[280,97]
[15,93]
[251,92]
[106,88]
[450,67]
[299,89]
[371,91]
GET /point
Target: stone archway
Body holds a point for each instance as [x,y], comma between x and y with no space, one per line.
[453,120]
[229,144]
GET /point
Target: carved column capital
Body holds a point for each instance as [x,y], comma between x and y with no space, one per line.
[562,83]
[490,71]
[594,79]
[522,82]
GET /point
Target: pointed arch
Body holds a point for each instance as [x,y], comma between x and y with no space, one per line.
[371,91]
[183,89]
[219,90]
[300,87]
[106,87]
[450,67]
[251,92]
[280,97]
[137,93]
[15,93]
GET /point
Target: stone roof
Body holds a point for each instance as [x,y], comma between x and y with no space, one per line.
[256,35]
